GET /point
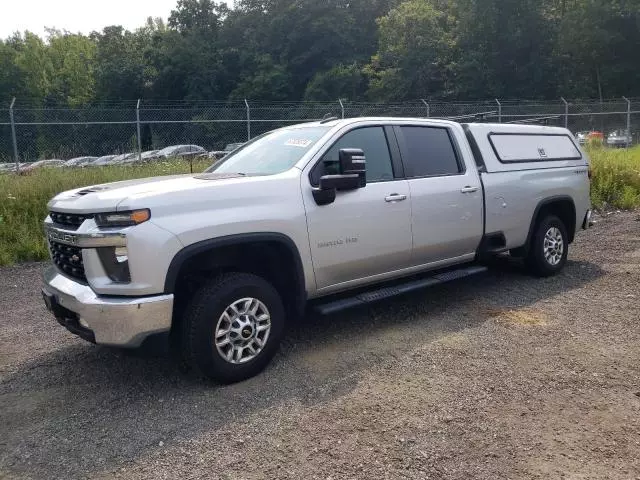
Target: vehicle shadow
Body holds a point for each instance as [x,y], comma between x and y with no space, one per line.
[84,409]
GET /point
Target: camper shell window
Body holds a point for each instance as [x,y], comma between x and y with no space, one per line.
[533,147]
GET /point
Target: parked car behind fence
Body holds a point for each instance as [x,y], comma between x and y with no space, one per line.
[79,161]
[124,158]
[104,160]
[179,151]
[149,155]
[219,154]
[582,137]
[49,163]
[619,139]
[7,167]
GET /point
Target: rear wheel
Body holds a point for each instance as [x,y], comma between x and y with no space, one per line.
[549,247]
[232,327]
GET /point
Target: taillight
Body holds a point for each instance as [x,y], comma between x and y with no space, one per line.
[589,173]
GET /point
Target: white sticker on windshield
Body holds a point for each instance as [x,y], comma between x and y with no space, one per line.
[298,142]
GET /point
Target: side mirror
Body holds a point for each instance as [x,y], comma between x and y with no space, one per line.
[352,163]
[352,160]
[340,182]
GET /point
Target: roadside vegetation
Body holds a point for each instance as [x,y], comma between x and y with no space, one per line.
[23,199]
[616,178]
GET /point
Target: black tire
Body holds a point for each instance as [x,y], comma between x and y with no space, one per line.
[536,261]
[201,318]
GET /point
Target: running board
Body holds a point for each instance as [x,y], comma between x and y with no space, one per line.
[388,292]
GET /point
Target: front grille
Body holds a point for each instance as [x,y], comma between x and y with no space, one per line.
[70,221]
[68,259]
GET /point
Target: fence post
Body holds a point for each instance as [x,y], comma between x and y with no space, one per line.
[248,120]
[341,107]
[499,111]
[139,137]
[629,139]
[566,112]
[428,108]
[13,136]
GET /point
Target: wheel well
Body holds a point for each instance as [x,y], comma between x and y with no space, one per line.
[272,260]
[564,209]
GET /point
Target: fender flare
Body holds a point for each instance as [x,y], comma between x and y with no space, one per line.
[540,206]
[244,238]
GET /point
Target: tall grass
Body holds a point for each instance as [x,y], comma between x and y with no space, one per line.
[616,178]
[23,199]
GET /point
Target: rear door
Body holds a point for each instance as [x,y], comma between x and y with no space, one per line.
[446,195]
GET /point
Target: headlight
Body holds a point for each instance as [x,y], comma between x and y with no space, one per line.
[122,219]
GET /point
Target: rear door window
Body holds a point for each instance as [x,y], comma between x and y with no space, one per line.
[428,152]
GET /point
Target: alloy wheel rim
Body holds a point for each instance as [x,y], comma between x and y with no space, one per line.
[242,330]
[553,246]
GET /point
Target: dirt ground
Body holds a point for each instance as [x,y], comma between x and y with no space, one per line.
[497,376]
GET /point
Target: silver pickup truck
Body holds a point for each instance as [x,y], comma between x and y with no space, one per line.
[327,215]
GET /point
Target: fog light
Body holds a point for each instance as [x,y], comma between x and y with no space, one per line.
[115,261]
[83,323]
[122,254]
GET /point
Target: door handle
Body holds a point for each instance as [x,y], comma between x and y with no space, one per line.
[395,197]
[469,189]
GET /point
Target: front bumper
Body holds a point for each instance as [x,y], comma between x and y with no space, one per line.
[117,321]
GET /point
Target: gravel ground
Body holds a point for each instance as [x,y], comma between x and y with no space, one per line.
[499,376]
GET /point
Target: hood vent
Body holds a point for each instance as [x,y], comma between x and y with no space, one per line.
[87,191]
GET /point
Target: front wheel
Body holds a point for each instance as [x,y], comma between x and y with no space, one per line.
[549,247]
[232,327]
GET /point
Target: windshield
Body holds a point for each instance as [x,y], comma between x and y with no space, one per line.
[271,153]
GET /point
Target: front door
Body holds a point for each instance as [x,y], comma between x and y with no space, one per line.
[366,233]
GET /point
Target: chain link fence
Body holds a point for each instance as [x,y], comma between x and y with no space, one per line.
[28,133]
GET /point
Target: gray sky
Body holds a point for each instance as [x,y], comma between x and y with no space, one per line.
[78,15]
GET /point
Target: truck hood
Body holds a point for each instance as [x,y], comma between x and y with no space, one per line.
[108,196]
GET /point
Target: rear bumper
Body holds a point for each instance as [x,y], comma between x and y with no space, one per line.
[117,321]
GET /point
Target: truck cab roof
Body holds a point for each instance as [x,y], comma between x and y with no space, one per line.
[497,147]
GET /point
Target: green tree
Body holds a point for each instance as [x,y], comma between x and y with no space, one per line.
[597,48]
[35,66]
[504,50]
[383,50]
[415,52]
[306,37]
[120,67]
[203,16]
[11,76]
[342,81]
[73,64]
[189,63]
[270,81]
